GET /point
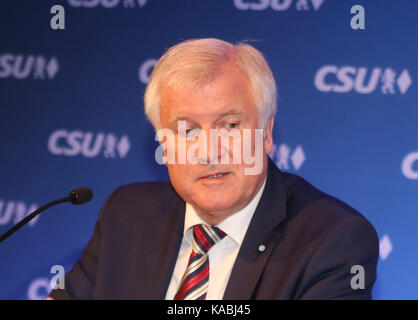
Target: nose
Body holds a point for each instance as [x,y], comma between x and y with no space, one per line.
[211,150]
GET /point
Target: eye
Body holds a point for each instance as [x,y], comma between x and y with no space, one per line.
[232,125]
[189,132]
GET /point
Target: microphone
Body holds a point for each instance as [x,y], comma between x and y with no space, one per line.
[77,196]
[81,195]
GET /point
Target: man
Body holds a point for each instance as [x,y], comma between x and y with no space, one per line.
[218,230]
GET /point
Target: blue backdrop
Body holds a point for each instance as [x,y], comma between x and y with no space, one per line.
[71,114]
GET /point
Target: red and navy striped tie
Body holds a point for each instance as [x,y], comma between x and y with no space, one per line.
[194,284]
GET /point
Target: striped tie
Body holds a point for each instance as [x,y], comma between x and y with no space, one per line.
[194,284]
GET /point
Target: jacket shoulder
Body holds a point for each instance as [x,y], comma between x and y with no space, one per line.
[148,189]
[318,211]
[145,198]
[303,195]
[324,237]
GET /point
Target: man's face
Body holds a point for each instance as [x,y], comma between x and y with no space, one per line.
[225,103]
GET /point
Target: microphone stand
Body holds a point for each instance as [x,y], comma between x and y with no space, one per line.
[31,216]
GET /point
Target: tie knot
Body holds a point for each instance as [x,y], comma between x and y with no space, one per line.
[205,237]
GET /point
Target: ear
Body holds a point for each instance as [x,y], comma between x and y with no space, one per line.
[165,157]
[163,144]
[268,137]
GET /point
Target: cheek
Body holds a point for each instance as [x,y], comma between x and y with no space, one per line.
[246,182]
[179,176]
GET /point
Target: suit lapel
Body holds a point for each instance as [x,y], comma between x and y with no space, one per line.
[250,262]
[162,252]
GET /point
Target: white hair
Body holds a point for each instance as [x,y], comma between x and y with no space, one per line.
[198,62]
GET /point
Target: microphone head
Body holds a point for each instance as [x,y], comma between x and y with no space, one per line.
[81,195]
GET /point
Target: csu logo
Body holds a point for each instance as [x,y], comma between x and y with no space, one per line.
[282,155]
[12,211]
[107,3]
[408,169]
[277,5]
[21,67]
[344,79]
[88,144]
[145,70]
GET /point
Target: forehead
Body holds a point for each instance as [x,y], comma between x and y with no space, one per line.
[230,91]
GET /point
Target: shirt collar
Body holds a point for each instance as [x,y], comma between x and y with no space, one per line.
[235,226]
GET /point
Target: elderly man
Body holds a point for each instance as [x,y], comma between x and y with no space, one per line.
[218,230]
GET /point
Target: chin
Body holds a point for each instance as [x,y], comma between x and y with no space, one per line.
[213,205]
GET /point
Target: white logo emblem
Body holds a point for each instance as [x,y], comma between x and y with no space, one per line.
[344,79]
[385,247]
[21,67]
[88,144]
[282,154]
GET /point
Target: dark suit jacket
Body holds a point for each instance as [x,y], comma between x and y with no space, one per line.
[312,240]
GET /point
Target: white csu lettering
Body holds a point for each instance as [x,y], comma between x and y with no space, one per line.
[18,209]
[17,66]
[407,166]
[145,70]
[93,3]
[62,142]
[277,5]
[21,67]
[39,289]
[106,3]
[349,77]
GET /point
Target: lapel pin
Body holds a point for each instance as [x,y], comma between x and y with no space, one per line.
[261,248]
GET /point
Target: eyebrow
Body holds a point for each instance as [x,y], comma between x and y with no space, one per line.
[229,112]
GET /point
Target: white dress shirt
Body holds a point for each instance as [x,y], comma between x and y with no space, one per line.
[221,256]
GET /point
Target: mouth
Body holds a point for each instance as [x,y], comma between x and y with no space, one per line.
[214,176]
